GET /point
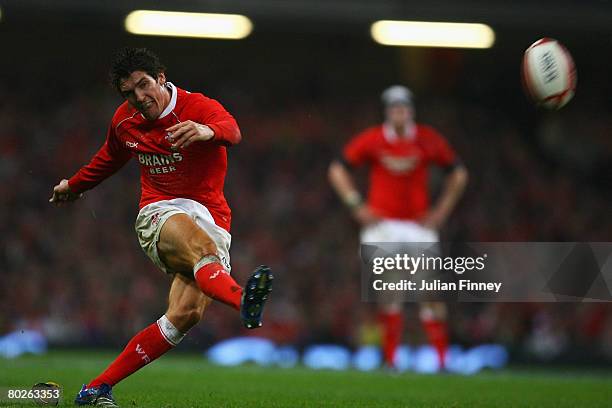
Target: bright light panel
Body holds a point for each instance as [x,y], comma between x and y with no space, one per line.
[179,24]
[429,34]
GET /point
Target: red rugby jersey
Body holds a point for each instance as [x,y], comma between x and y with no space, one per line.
[196,172]
[398,185]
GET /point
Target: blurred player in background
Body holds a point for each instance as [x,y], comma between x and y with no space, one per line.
[179,139]
[399,153]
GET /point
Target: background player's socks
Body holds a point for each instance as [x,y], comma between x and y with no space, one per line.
[217,283]
[437,333]
[145,347]
[392,326]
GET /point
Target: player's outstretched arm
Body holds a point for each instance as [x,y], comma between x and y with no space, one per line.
[107,160]
[62,194]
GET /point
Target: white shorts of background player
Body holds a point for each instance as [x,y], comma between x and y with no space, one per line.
[391,230]
[397,233]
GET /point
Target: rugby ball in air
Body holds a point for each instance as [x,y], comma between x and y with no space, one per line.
[549,74]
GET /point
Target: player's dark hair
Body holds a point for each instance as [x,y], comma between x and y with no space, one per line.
[128,60]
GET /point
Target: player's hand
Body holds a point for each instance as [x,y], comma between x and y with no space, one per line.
[365,216]
[185,133]
[62,194]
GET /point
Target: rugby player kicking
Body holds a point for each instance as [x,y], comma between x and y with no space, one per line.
[399,153]
[179,139]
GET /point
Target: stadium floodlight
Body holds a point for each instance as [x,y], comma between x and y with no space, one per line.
[432,34]
[181,24]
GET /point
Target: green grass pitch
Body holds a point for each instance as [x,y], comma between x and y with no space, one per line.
[187,380]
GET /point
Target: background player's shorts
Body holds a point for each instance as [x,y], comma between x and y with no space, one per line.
[152,217]
[390,230]
[398,232]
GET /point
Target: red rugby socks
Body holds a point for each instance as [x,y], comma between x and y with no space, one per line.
[216,282]
[146,346]
[392,326]
[437,333]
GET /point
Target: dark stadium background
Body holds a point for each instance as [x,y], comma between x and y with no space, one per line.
[306,79]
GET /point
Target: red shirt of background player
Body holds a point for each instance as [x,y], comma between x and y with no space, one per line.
[399,168]
[197,172]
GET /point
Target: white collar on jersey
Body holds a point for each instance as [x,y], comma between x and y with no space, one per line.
[172,103]
[391,135]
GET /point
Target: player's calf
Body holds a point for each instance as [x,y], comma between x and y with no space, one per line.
[186,303]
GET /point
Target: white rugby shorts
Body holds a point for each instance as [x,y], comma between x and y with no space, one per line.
[392,230]
[152,217]
[398,232]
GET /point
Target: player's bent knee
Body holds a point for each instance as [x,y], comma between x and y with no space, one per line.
[205,260]
[182,243]
[203,246]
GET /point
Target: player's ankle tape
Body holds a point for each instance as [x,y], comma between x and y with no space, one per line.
[169,331]
[206,259]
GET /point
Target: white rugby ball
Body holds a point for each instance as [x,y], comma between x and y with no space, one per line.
[549,74]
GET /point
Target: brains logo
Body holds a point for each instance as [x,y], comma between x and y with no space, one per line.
[160,163]
[399,164]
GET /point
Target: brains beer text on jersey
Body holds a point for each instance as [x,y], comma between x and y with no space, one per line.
[162,160]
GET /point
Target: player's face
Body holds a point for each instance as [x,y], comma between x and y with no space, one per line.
[399,114]
[145,93]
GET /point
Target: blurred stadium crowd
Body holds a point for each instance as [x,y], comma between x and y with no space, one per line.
[78,274]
